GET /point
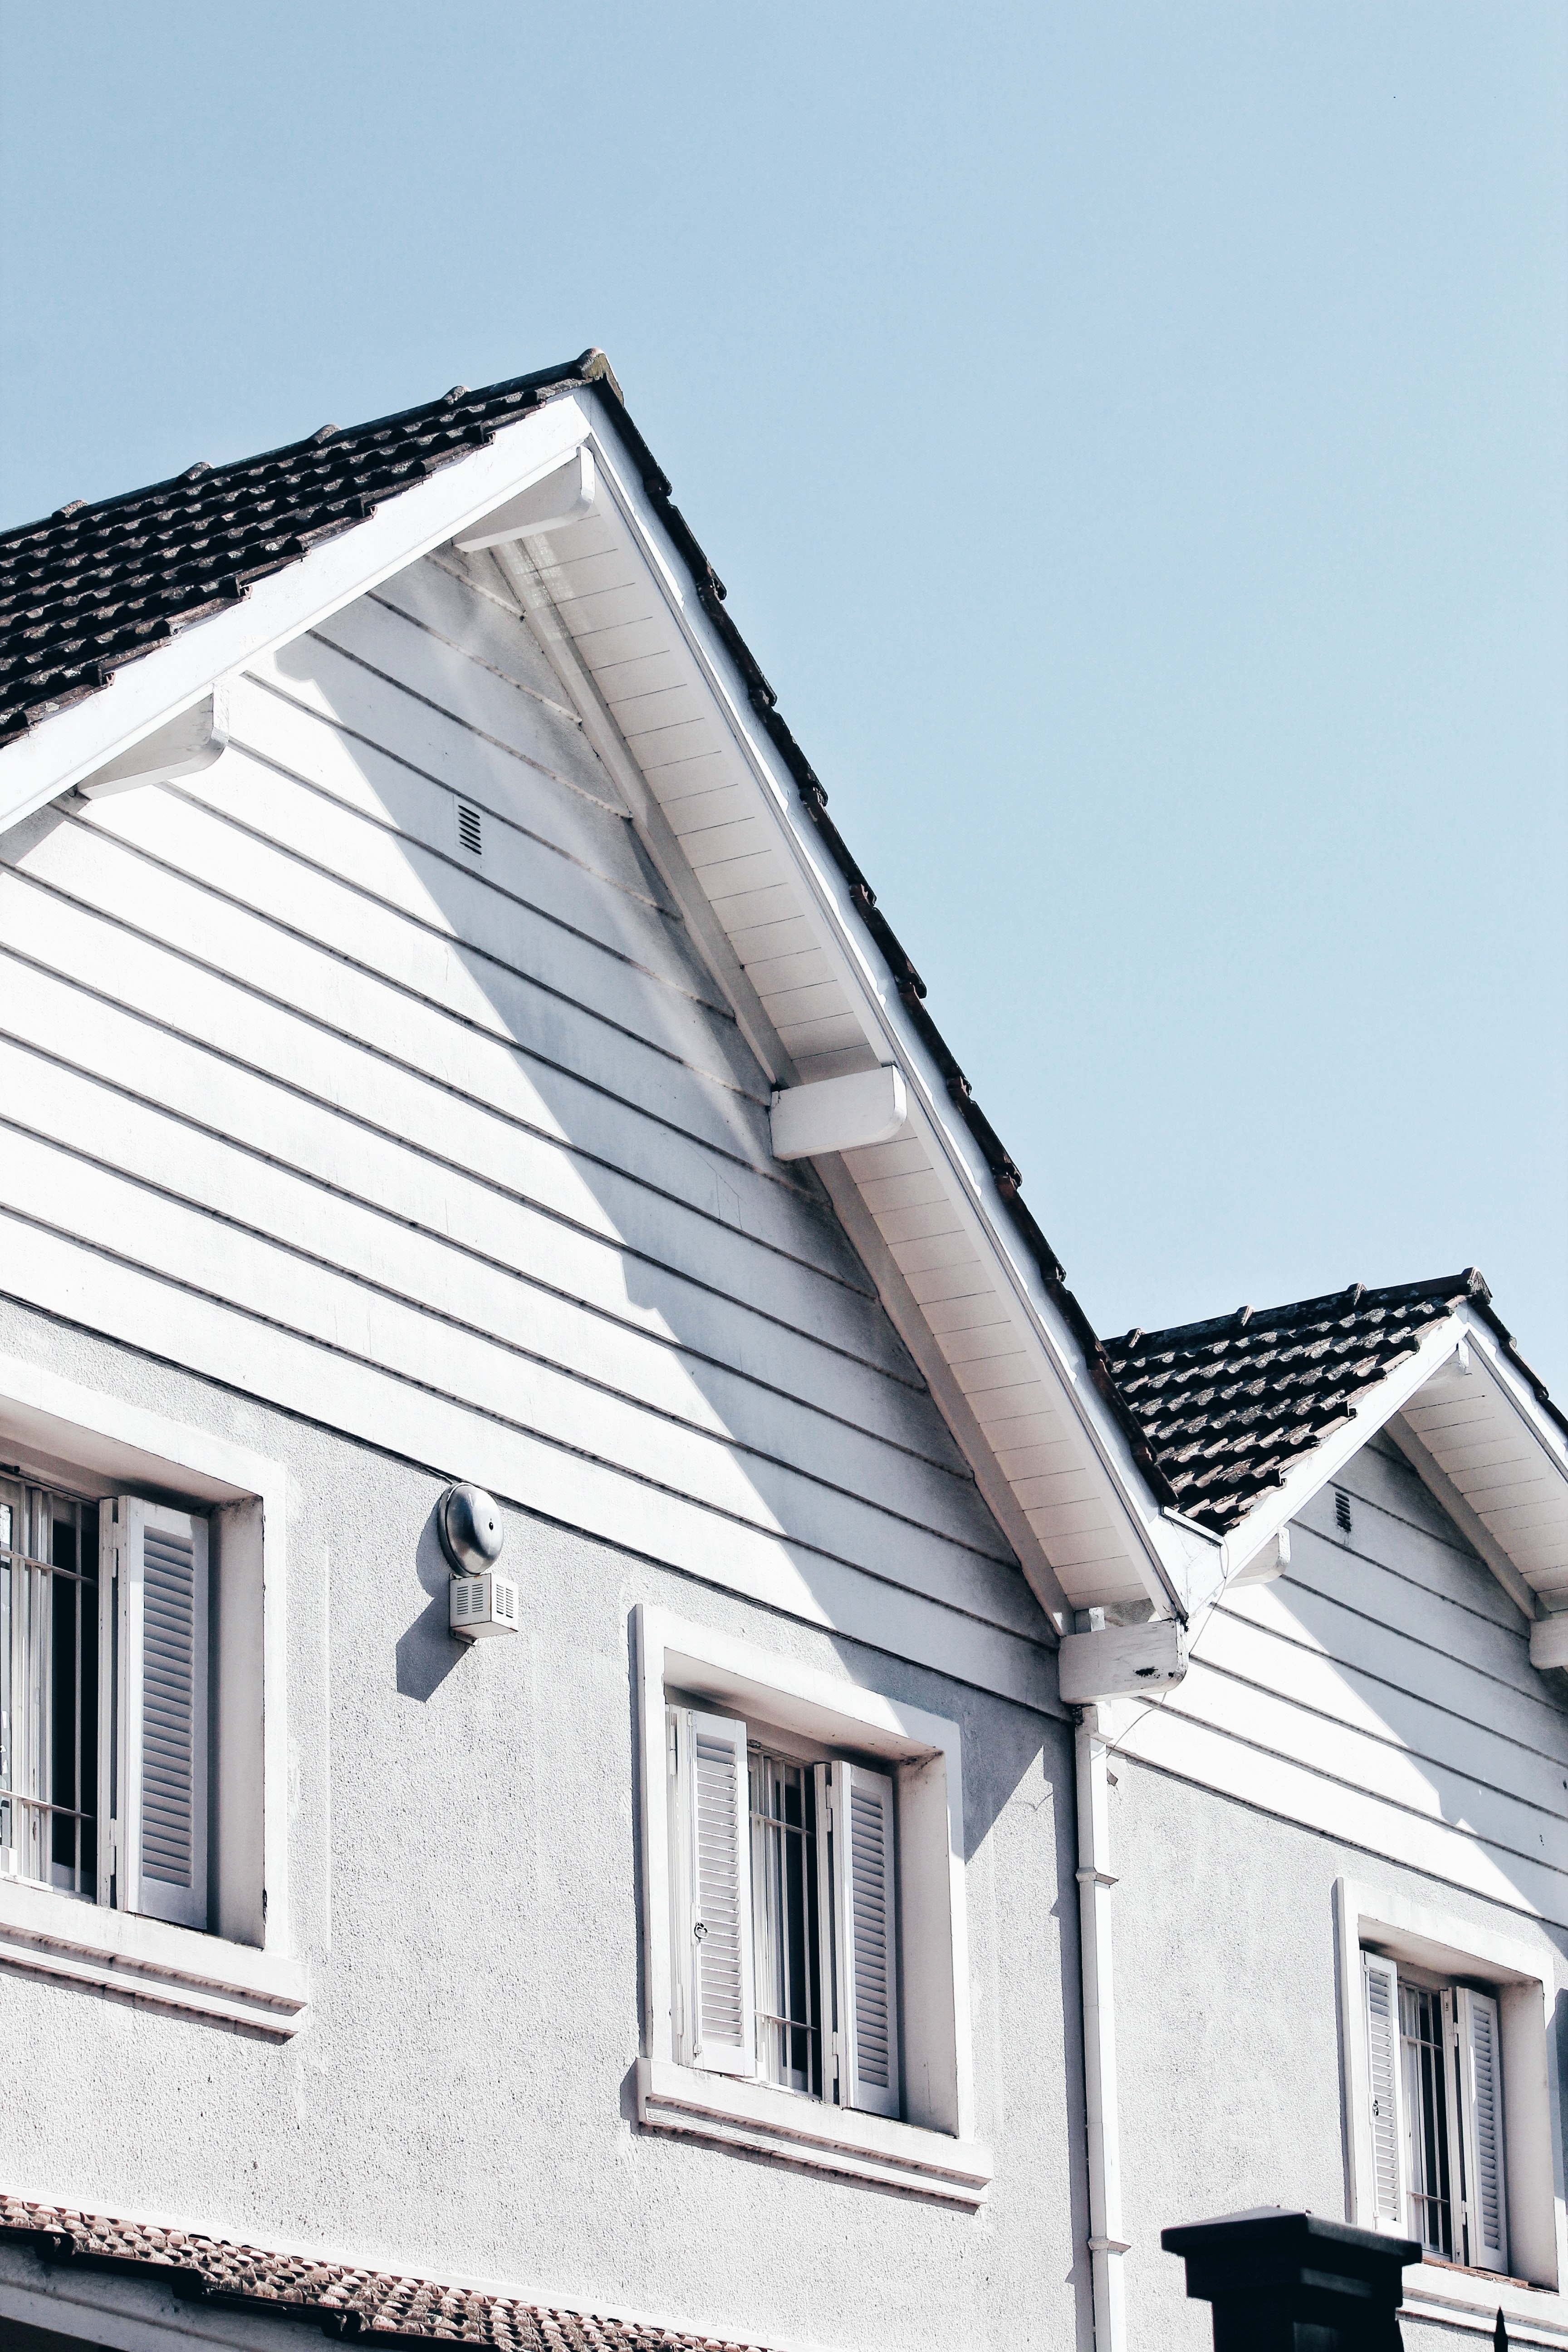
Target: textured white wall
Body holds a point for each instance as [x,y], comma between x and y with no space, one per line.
[463,1852]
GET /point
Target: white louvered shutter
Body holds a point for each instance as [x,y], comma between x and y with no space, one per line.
[717,1805]
[1386,2140]
[1486,2194]
[156,1627]
[864,1935]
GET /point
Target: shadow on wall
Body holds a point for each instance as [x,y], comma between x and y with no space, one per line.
[645,1288]
[426,1651]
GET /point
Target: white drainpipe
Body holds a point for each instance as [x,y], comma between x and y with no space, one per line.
[1106,2243]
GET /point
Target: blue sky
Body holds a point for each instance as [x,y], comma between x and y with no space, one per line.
[1134,442]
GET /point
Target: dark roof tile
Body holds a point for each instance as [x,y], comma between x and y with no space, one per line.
[1229,1406]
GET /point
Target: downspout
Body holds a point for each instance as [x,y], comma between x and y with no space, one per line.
[1095,1881]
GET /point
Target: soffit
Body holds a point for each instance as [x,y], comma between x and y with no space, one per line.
[659,696]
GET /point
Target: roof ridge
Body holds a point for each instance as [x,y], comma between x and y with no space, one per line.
[577,371]
[1356,1296]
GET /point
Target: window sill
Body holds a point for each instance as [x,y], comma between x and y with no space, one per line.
[805,2131]
[1462,2297]
[53,1935]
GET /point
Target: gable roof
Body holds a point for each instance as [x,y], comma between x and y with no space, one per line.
[115,591]
[92,587]
[1249,1413]
[1093,1457]
[337,2297]
[1229,1406]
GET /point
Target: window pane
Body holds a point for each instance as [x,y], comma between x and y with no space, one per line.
[784,1913]
[1426,2071]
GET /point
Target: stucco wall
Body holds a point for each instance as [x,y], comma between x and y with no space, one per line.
[462,1855]
[1227,2025]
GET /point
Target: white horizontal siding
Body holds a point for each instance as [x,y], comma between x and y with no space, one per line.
[404,1142]
[1380,1692]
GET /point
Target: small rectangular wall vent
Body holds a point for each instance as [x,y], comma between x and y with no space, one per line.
[1341,1510]
[470,834]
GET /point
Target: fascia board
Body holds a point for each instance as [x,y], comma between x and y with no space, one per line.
[1161,1549]
[1323,1464]
[162,683]
[1551,1439]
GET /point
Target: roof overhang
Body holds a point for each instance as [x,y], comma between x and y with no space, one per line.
[681,726]
[679,723]
[1471,1424]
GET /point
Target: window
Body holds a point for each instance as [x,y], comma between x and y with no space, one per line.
[144,1707]
[783,1923]
[48,1688]
[1453,2135]
[1435,2067]
[103,1702]
[804,1969]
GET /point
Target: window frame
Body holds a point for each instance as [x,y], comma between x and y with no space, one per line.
[1448,1949]
[930,2149]
[60,1435]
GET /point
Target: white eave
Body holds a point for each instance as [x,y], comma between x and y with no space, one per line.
[1471,1425]
[663,702]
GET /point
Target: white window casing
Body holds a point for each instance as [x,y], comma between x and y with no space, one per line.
[865,1914]
[1384,2135]
[1502,1978]
[1486,2189]
[205,1611]
[915,2130]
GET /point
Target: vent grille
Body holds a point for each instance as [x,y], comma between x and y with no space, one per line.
[471,832]
[1341,1510]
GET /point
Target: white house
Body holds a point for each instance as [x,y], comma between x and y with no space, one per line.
[447,1042]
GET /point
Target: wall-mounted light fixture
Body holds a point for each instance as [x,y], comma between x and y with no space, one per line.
[480,1601]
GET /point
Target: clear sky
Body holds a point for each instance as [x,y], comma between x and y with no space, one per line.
[1135,439]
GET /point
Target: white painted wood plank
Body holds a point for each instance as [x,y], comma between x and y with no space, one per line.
[629,641]
[570,1146]
[961,1276]
[487,903]
[608,610]
[1046,1458]
[835,1035]
[979,1342]
[1343,1751]
[395,649]
[757,943]
[266,718]
[799,1008]
[478,623]
[652,671]
[1448,1675]
[775,901]
[404,1419]
[448,1205]
[592,576]
[425,1270]
[906,1155]
[1408,1605]
[780,978]
[272,1290]
[546,1000]
[1293,1792]
[660,745]
[1056,1489]
[644,717]
[1349,1694]
[745,877]
[722,845]
[701,811]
